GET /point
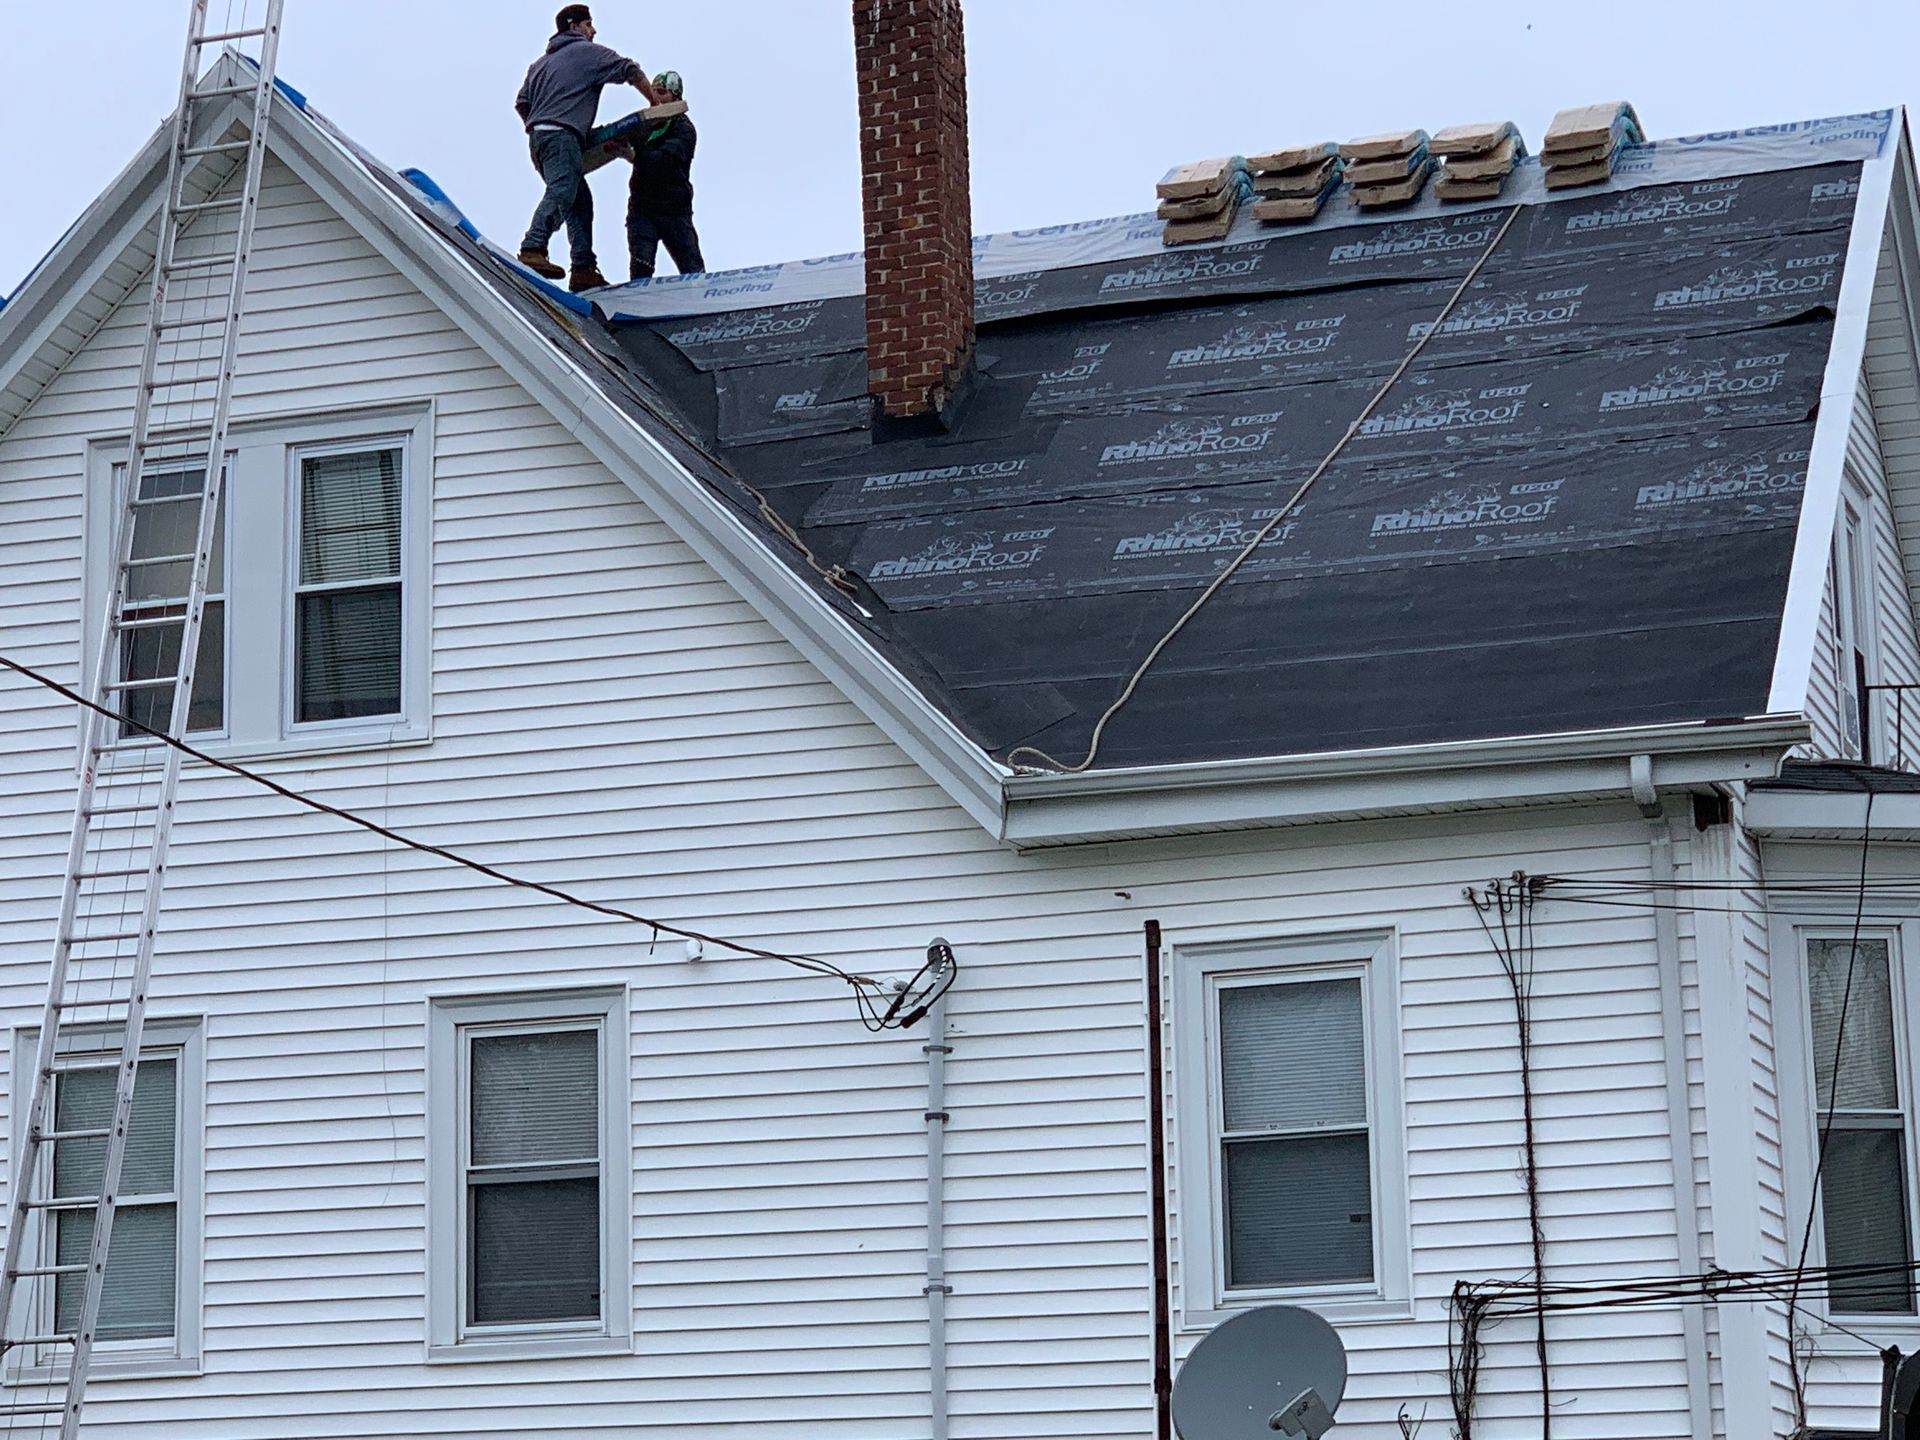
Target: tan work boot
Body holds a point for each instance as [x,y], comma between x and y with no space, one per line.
[537,261]
[587,279]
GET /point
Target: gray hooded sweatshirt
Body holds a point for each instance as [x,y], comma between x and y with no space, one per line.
[563,86]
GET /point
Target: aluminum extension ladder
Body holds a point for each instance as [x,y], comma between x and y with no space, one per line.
[164,540]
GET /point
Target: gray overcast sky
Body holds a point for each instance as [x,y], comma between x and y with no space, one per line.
[1077,105]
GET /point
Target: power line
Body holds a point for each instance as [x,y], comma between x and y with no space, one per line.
[877,1012]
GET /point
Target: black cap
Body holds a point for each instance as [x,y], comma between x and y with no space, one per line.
[570,16]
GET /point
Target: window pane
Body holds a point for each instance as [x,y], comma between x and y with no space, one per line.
[536,1251]
[536,1097]
[83,1100]
[149,654]
[349,643]
[172,530]
[350,517]
[1299,1211]
[1863,1202]
[136,1303]
[1867,1078]
[1293,1055]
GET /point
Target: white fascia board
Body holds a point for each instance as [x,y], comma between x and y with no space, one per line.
[713,531]
[1811,814]
[1826,464]
[1063,809]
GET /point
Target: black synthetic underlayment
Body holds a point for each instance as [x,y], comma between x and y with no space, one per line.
[1576,510]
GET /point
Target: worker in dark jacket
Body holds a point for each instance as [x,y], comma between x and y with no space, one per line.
[557,104]
[660,202]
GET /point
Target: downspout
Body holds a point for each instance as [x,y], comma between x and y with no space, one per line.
[937,1049]
[1161,1297]
[1673,1047]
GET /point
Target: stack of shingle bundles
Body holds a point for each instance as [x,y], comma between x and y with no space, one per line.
[1582,143]
[1199,200]
[1387,170]
[1294,183]
[1475,160]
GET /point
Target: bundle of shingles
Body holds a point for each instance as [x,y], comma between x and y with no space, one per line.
[1199,200]
[1582,143]
[1387,170]
[1292,184]
[1476,159]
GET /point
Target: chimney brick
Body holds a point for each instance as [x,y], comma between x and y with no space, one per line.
[911,65]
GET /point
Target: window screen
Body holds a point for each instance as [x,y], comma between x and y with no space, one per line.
[1296,1168]
[166,523]
[1864,1195]
[347,611]
[137,1302]
[533,1177]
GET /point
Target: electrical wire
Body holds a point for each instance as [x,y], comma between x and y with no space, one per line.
[904,1010]
[1060,767]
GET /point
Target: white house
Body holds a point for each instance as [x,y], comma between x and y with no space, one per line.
[605,658]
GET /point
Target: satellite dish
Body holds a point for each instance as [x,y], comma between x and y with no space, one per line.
[1278,1370]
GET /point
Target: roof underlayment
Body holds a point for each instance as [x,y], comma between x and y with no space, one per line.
[1575,512]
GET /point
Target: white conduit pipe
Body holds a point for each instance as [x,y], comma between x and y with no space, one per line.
[1673,1046]
[937,1049]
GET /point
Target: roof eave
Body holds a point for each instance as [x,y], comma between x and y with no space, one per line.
[1047,810]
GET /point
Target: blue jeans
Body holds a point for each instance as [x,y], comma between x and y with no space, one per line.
[569,199]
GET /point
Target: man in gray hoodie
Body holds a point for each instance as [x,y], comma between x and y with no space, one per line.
[557,104]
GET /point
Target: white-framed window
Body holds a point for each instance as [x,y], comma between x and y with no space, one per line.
[1854,633]
[149,1318]
[1290,1149]
[166,522]
[1846,1040]
[324,606]
[529,1241]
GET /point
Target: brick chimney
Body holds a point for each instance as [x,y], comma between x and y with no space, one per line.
[910,58]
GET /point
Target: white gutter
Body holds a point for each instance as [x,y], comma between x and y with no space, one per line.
[1060,809]
[1673,1048]
[937,1049]
[1826,463]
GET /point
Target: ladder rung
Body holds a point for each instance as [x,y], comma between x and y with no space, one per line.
[66,1339]
[224,35]
[53,1137]
[152,500]
[201,262]
[39,1271]
[132,807]
[71,1064]
[224,147]
[80,875]
[65,1202]
[231,202]
[7,1409]
[159,682]
[147,622]
[191,324]
[103,939]
[158,560]
[221,90]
